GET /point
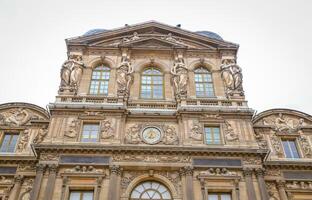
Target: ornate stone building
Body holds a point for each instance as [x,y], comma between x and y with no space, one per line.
[151,111]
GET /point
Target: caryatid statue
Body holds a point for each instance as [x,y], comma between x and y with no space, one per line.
[124,76]
[71,73]
[180,77]
[232,77]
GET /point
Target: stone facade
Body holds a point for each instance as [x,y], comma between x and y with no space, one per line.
[160,140]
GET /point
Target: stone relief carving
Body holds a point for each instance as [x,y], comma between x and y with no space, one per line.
[263,144]
[305,146]
[232,77]
[21,146]
[133,134]
[169,135]
[4,180]
[284,125]
[28,187]
[211,116]
[134,37]
[179,72]
[49,157]
[276,144]
[84,169]
[299,185]
[151,158]
[17,117]
[217,172]
[229,133]
[124,75]
[26,167]
[107,130]
[71,73]
[272,195]
[170,38]
[72,128]
[251,161]
[41,134]
[273,172]
[196,132]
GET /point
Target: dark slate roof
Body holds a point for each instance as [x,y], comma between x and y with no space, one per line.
[210,34]
[94,31]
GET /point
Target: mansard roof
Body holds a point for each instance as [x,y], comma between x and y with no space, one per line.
[148,31]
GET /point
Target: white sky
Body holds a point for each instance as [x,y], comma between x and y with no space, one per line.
[275,38]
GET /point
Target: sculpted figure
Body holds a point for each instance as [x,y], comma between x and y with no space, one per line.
[40,135]
[229,132]
[170,135]
[23,141]
[196,132]
[71,73]
[133,134]
[276,145]
[124,76]
[306,147]
[16,117]
[232,77]
[106,129]
[180,77]
[72,130]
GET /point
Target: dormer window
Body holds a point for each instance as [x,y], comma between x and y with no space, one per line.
[203,83]
[290,149]
[99,80]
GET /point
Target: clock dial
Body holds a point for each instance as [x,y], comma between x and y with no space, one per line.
[151,135]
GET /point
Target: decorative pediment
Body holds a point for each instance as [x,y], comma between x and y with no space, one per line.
[283,121]
[20,114]
[151,34]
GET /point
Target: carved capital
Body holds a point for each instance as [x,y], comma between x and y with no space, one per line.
[260,172]
[186,171]
[53,168]
[115,169]
[247,172]
[280,184]
[40,168]
[18,179]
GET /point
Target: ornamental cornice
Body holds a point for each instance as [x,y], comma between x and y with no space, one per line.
[161,149]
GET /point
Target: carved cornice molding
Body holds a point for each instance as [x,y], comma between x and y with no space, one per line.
[115,169]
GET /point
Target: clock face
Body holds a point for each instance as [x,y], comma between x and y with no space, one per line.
[151,135]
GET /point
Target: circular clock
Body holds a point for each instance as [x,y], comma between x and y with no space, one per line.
[151,135]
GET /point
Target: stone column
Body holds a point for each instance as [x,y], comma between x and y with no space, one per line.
[37,183]
[281,190]
[203,189]
[113,192]
[236,182]
[249,184]
[263,191]
[188,173]
[51,182]
[15,192]
[64,186]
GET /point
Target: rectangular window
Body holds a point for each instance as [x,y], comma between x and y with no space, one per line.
[212,135]
[290,149]
[81,195]
[90,133]
[8,142]
[219,196]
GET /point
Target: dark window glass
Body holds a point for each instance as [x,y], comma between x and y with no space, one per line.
[8,142]
[90,133]
[290,149]
[81,195]
[152,84]
[203,83]
[99,80]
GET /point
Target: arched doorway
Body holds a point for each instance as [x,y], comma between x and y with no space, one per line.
[150,190]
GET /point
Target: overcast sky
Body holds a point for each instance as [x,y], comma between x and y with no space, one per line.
[275,38]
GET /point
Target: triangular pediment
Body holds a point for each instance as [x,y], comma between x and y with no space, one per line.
[151,34]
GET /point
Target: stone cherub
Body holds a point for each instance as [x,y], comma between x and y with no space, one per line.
[180,77]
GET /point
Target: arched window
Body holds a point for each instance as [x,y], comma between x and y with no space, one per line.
[203,83]
[152,84]
[150,190]
[99,80]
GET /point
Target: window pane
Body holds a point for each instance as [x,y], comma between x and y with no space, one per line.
[9,142]
[225,197]
[151,190]
[99,82]
[74,196]
[90,133]
[293,148]
[212,197]
[87,195]
[203,83]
